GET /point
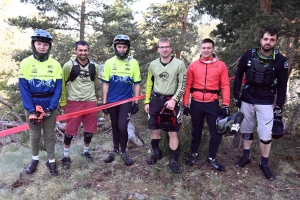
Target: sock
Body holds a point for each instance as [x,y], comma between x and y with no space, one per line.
[247,152]
[85,149]
[35,157]
[209,158]
[66,152]
[264,160]
[155,143]
[52,161]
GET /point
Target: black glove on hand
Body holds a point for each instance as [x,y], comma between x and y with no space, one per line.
[224,112]
[105,111]
[237,102]
[135,108]
[186,110]
[33,118]
[48,112]
[277,112]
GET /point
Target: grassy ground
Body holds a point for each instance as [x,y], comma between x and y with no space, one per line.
[99,180]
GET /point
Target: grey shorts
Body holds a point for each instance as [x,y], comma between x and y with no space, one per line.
[260,115]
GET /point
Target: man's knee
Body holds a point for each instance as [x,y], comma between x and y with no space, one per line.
[248,136]
[266,141]
[68,139]
[87,137]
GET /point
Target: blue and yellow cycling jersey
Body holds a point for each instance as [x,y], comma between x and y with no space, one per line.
[40,83]
[120,74]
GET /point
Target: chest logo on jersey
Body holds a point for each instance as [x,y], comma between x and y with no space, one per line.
[50,71]
[164,76]
[34,70]
[50,67]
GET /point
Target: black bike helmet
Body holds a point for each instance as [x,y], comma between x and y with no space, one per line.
[230,125]
[122,39]
[167,120]
[278,128]
[41,36]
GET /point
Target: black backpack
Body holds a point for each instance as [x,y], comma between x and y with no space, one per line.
[76,70]
[167,120]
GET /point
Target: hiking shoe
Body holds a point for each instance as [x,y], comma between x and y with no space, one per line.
[244,160]
[192,159]
[52,168]
[66,162]
[157,155]
[32,166]
[215,164]
[126,159]
[111,156]
[174,166]
[88,156]
[267,172]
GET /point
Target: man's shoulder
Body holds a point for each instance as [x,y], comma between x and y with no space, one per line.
[68,64]
[28,59]
[54,61]
[279,56]
[155,61]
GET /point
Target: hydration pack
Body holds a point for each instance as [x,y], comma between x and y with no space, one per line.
[76,70]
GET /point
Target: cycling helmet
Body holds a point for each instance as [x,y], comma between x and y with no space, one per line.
[167,120]
[122,39]
[230,125]
[278,128]
[41,36]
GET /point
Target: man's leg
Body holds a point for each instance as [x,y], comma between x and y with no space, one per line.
[174,152]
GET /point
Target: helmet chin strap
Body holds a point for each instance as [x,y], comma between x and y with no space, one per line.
[41,56]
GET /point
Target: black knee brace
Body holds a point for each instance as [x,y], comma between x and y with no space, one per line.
[68,139]
[87,137]
[266,141]
[248,136]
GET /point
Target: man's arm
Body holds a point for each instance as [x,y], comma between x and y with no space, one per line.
[239,76]
[137,89]
[188,85]
[65,77]
[282,79]
[181,82]
[105,87]
[149,86]
[225,86]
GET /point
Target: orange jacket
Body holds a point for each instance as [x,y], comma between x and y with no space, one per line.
[207,75]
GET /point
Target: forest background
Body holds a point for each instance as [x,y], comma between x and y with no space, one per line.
[235,26]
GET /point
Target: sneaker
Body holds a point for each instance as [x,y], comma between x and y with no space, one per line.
[244,160]
[88,156]
[66,162]
[267,172]
[192,159]
[174,166]
[111,157]
[52,168]
[157,155]
[215,164]
[126,159]
[32,166]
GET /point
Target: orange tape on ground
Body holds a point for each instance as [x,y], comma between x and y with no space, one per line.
[70,115]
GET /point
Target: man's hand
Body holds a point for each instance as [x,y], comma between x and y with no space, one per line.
[146,108]
[224,112]
[135,108]
[170,104]
[48,112]
[237,102]
[277,112]
[186,111]
[105,111]
[33,118]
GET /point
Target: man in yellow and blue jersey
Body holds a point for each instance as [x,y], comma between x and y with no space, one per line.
[40,83]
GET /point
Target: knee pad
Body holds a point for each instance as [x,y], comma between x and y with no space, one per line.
[248,136]
[266,141]
[87,137]
[68,139]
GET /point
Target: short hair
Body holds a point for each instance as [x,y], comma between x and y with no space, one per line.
[81,42]
[271,31]
[208,40]
[163,39]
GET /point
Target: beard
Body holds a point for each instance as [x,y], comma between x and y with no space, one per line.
[267,49]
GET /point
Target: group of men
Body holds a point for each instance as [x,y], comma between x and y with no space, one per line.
[44,85]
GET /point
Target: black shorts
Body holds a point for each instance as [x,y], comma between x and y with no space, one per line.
[155,107]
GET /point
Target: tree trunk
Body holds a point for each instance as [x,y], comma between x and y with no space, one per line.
[82,20]
[265,5]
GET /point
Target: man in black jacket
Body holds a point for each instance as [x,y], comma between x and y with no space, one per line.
[266,73]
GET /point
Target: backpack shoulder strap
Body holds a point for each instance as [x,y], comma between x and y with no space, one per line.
[92,70]
[75,71]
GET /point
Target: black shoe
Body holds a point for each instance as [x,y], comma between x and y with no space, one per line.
[157,155]
[267,172]
[243,161]
[32,166]
[111,157]
[88,156]
[215,164]
[126,159]
[66,162]
[174,166]
[192,159]
[52,168]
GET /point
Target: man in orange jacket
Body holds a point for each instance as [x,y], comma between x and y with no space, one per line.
[205,77]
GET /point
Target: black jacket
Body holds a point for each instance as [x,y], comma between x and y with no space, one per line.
[255,94]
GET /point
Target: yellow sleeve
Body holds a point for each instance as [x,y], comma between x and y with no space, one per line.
[65,76]
[149,86]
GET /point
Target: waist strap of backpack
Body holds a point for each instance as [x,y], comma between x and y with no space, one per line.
[204,90]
